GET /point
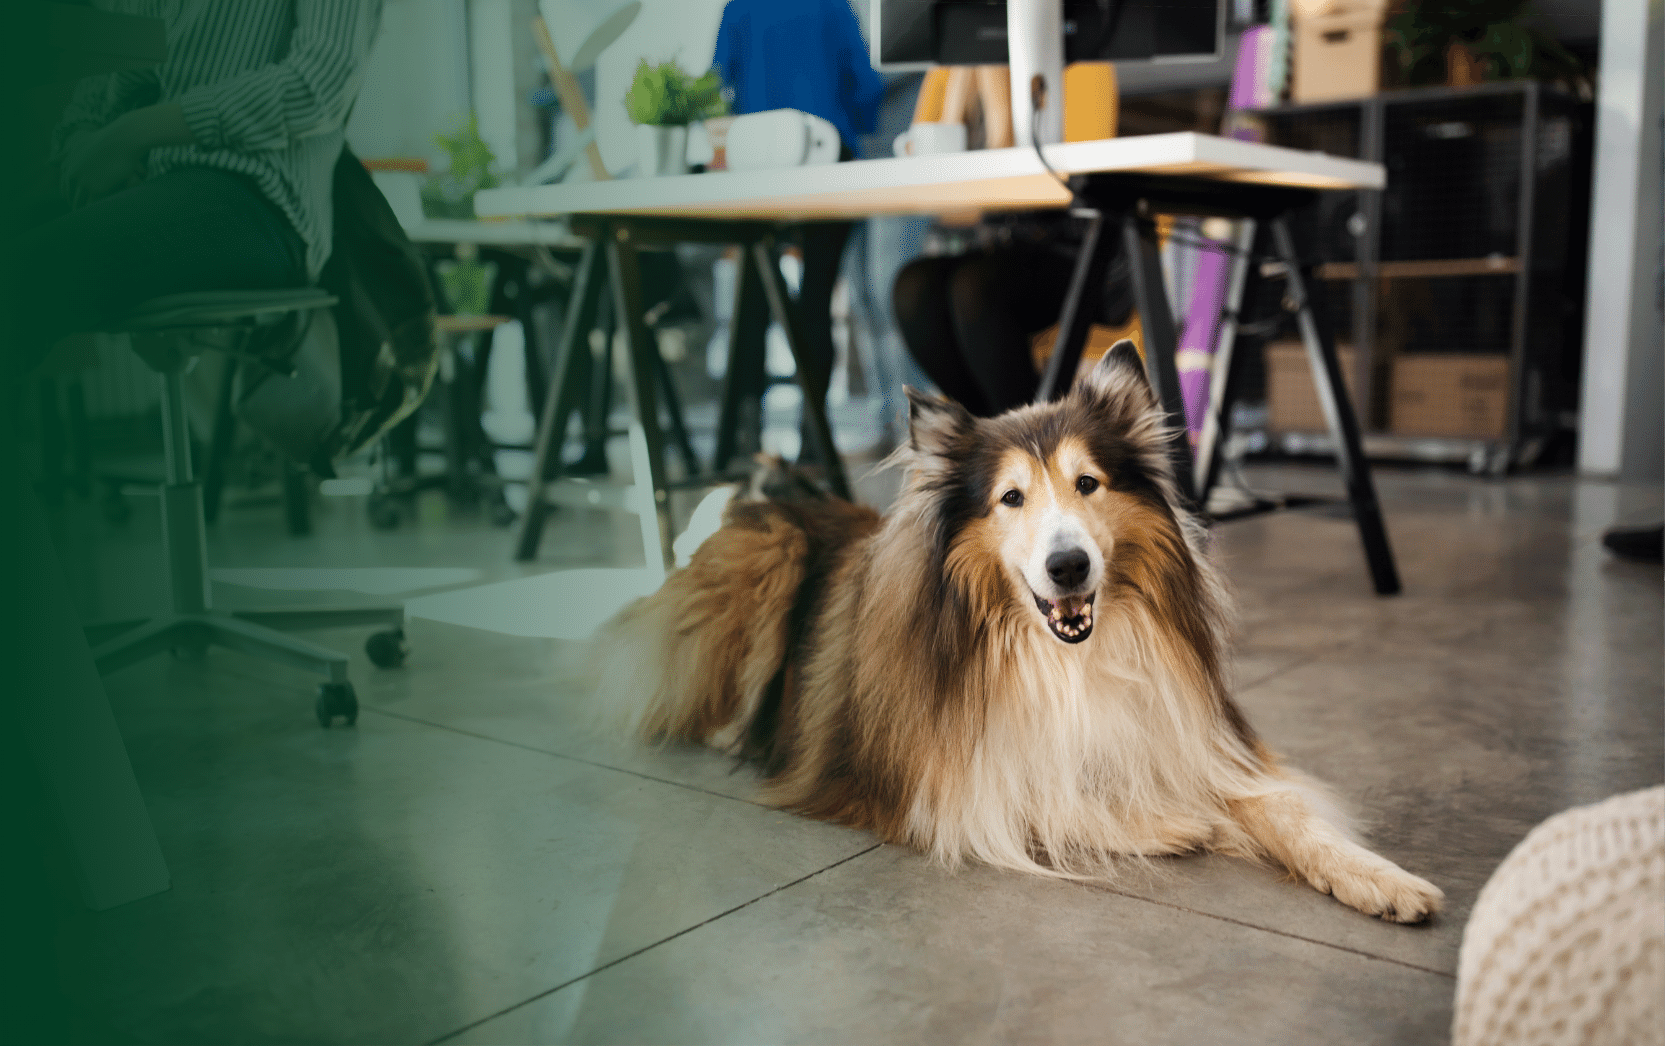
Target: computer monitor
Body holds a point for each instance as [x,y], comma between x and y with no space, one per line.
[916,34]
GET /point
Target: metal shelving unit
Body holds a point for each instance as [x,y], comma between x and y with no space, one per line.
[1476,246]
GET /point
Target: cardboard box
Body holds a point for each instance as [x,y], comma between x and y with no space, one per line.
[1337,56]
[1291,396]
[1458,395]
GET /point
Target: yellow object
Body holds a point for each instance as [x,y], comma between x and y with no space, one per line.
[1099,340]
[1091,101]
[932,94]
[1164,228]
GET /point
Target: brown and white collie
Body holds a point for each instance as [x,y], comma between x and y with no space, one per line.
[1024,663]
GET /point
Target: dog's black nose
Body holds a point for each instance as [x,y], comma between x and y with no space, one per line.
[1068,569]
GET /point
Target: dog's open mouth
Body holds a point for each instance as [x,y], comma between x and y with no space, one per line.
[1070,618]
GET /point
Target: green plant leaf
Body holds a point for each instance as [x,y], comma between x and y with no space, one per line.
[666,95]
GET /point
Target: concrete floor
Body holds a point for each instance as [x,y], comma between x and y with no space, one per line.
[472,864]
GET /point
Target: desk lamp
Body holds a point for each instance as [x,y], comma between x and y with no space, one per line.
[568,15]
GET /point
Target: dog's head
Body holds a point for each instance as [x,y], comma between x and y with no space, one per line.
[1050,509]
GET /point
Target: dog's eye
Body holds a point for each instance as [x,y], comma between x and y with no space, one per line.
[1013,498]
[1086,484]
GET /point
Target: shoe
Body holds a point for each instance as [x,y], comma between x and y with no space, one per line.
[1642,544]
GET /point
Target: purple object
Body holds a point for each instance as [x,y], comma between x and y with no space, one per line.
[1195,358]
[1249,78]
[1201,334]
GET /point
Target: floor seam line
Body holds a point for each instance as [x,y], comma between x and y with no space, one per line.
[649,947]
[1300,662]
[1267,929]
[561,755]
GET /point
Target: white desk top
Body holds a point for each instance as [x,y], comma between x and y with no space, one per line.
[513,233]
[986,179]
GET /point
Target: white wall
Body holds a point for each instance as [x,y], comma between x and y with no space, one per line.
[434,61]
[1622,414]
[492,28]
[416,81]
[685,30]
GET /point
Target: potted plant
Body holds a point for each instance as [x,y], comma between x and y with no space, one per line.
[451,194]
[1459,42]
[662,101]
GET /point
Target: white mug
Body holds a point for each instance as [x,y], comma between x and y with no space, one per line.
[927,139]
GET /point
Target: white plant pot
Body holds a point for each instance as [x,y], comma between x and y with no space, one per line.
[661,150]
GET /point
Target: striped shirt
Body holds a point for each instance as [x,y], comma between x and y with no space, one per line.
[265,86]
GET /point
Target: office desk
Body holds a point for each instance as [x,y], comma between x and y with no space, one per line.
[1119,185]
[509,234]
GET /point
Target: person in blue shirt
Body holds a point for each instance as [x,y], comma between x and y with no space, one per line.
[799,54]
[806,55]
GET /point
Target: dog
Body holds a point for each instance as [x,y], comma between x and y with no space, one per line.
[1023,663]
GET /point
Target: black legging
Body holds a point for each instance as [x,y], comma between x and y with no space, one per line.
[967,320]
[822,244]
[192,229]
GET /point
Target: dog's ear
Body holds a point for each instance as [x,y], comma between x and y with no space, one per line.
[1118,374]
[935,425]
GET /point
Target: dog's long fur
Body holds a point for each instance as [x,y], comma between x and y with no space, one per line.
[894,674]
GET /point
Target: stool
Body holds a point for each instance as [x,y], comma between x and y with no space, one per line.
[468,453]
[167,332]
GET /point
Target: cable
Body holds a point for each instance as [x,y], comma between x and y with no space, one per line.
[1037,102]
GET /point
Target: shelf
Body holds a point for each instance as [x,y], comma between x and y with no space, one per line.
[1413,95]
[1493,266]
[1390,446]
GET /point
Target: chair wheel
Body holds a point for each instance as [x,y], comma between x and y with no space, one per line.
[501,514]
[385,513]
[336,699]
[387,649]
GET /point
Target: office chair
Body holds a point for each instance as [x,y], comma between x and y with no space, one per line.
[167,333]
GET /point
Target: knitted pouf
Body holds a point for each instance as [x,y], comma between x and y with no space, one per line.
[1567,941]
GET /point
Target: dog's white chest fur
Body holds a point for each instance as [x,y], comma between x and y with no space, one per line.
[1086,758]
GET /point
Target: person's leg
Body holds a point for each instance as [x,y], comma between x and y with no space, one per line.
[998,301]
[193,229]
[823,245]
[924,315]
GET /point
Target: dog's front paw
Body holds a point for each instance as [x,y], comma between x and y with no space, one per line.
[1377,886]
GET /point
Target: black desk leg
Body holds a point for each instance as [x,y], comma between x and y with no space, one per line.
[560,400]
[813,376]
[1344,424]
[626,273]
[1222,387]
[745,378]
[1081,307]
[1156,322]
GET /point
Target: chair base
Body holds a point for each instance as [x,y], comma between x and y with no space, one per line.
[257,632]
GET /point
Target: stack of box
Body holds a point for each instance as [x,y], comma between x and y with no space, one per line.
[1291,395]
[1466,396]
[1338,49]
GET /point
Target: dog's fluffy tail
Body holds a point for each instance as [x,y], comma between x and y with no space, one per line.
[692,661]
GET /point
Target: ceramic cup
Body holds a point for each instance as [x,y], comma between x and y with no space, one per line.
[928,139]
